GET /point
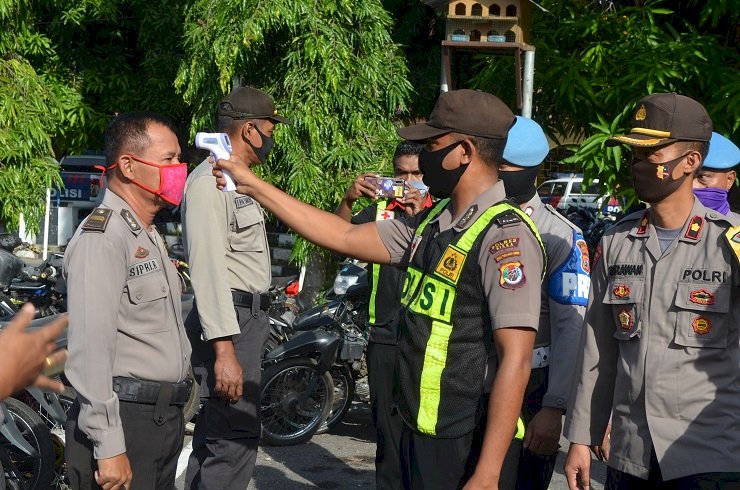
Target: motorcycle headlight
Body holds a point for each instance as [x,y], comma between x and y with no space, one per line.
[342,283]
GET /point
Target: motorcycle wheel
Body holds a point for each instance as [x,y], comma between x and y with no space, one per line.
[294,401]
[37,473]
[344,393]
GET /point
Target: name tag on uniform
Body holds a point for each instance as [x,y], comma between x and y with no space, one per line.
[142,268]
[243,201]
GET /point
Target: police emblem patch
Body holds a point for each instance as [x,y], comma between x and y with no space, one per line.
[625,319]
[641,113]
[585,265]
[701,325]
[451,263]
[621,291]
[662,172]
[141,252]
[701,297]
[692,232]
[512,275]
[732,235]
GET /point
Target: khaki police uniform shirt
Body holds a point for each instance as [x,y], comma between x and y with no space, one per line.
[125,317]
[564,298]
[509,306]
[660,349]
[226,243]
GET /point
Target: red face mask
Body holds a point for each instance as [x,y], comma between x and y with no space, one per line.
[172,179]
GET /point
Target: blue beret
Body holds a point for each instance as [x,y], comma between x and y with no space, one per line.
[723,153]
[526,145]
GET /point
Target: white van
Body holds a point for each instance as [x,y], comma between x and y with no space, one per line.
[564,190]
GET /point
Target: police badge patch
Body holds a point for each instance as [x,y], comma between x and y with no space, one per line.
[512,275]
[701,297]
[701,325]
[451,263]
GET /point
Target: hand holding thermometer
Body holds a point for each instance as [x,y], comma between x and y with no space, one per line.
[220,147]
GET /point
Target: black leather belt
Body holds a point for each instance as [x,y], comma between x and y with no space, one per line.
[147,392]
[242,298]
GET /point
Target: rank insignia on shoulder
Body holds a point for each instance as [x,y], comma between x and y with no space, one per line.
[701,325]
[701,297]
[695,225]
[644,222]
[466,217]
[98,220]
[512,275]
[732,235]
[508,219]
[141,252]
[128,217]
[451,263]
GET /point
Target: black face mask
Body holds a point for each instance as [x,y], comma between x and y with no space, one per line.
[441,182]
[520,183]
[654,182]
[264,150]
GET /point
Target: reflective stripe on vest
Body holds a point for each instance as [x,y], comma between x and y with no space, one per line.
[375,272]
[519,429]
[434,295]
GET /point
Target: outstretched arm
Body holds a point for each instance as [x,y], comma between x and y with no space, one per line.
[322,228]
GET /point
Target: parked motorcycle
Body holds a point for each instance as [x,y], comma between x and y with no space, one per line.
[345,316]
[40,416]
[296,391]
[41,285]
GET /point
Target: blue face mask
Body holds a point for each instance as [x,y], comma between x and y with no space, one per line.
[713,198]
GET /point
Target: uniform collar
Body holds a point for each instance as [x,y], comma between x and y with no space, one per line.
[692,230]
[114,202]
[494,194]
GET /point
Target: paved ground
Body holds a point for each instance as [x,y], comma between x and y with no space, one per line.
[343,459]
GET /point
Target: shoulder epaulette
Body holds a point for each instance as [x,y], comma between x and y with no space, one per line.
[128,217]
[98,220]
[508,218]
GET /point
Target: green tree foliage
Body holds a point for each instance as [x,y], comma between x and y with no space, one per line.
[30,110]
[330,65]
[596,59]
[66,67]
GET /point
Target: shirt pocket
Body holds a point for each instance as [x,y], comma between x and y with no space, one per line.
[625,299]
[702,319]
[247,230]
[149,297]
